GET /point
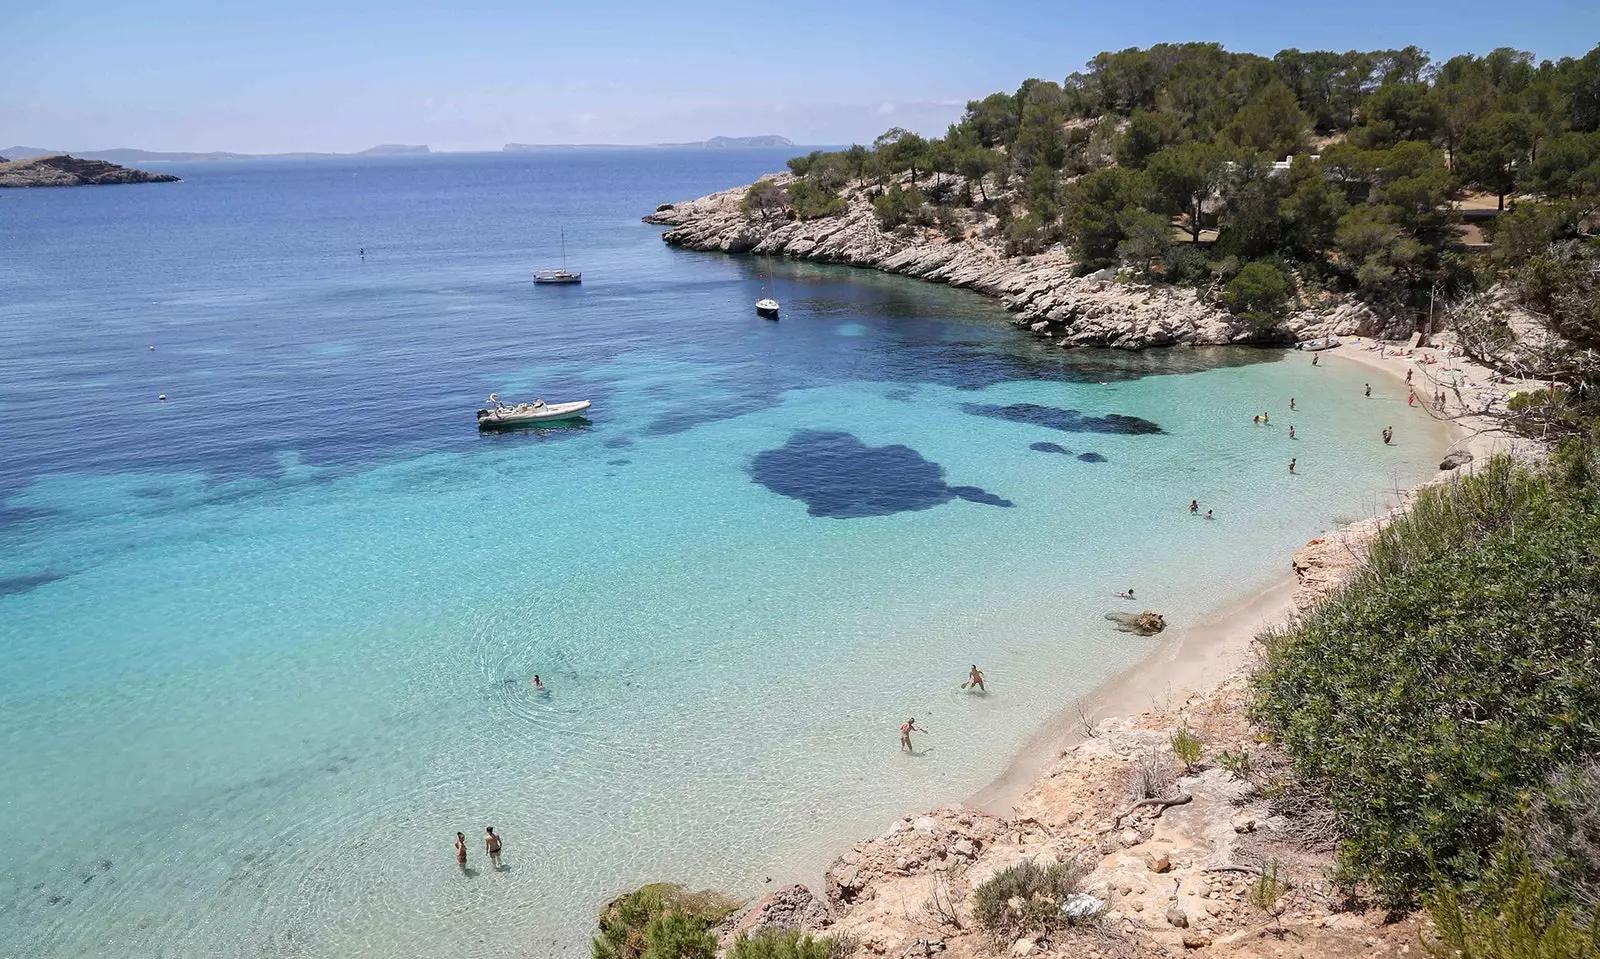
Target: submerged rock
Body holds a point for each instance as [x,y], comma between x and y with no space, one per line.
[838,476]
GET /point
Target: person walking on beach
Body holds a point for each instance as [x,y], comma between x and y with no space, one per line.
[1194,507]
[461,850]
[1408,376]
[975,679]
[1291,465]
[491,845]
[906,729]
[1369,389]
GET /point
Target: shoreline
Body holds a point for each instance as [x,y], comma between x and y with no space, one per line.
[1196,659]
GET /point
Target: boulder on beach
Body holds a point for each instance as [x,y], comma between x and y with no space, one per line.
[789,907]
[1147,623]
[1456,459]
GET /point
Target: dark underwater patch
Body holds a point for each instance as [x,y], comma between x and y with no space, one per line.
[1067,421]
[618,462]
[27,582]
[838,476]
[1091,458]
[1049,448]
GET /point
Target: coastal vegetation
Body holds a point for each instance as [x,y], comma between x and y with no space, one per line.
[1265,183]
[1444,706]
[1026,899]
[662,921]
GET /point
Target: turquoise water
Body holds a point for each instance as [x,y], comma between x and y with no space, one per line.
[267,644]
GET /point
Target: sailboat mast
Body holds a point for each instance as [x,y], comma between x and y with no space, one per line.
[563,248]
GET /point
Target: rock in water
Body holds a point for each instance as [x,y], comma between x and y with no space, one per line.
[64,170]
[836,475]
[1147,623]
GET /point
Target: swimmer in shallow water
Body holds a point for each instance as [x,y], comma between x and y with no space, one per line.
[974,679]
[538,683]
[1126,595]
[906,729]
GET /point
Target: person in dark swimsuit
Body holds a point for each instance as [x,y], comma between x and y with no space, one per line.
[491,845]
[461,850]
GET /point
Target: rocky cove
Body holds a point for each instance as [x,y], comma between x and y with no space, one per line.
[1095,310]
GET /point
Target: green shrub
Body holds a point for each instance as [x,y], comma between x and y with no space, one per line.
[1452,676]
[1187,747]
[1260,292]
[1521,921]
[1026,898]
[772,944]
[1561,830]
[661,921]
[811,201]
[897,206]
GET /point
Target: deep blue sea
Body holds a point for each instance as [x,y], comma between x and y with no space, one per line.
[266,645]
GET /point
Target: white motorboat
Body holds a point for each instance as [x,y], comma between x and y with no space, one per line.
[1325,343]
[521,414]
[562,275]
[768,308]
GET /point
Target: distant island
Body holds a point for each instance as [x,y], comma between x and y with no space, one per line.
[125,155]
[63,170]
[715,143]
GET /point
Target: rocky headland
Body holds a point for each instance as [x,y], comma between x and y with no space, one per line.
[64,170]
[1098,309]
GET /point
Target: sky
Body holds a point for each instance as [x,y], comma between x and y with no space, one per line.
[330,76]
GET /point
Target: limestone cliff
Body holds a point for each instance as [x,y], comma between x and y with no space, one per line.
[1093,310]
[64,170]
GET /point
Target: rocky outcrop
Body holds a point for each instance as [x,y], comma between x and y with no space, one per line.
[64,170]
[791,907]
[1052,303]
[933,842]
[1147,623]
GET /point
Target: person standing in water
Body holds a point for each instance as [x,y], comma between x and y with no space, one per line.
[1291,432]
[1291,402]
[538,684]
[1208,516]
[1256,419]
[362,252]
[461,850]
[1369,389]
[1194,507]
[1412,399]
[975,678]
[1266,420]
[1291,465]
[491,845]
[1313,359]
[1388,435]
[906,729]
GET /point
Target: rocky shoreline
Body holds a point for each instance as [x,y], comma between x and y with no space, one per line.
[1070,311]
[63,170]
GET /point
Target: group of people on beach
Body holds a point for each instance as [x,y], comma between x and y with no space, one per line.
[491,847]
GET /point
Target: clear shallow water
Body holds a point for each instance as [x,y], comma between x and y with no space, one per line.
[266,644]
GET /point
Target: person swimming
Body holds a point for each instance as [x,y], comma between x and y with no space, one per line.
[1126,595]
[538,683]
[1208,516]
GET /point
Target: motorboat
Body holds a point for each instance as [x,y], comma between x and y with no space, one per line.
[1324,343]
[768,308]
[500,414]
[562,275]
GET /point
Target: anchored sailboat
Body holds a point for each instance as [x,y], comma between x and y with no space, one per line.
[562,275]
[767,306]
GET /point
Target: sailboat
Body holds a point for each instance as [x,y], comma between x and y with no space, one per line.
[562,275]
[767,306]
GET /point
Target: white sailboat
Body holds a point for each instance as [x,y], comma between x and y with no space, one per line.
[767,306]
[562,275]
